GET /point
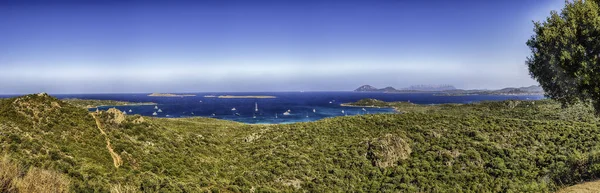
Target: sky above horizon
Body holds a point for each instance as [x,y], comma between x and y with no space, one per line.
[92,46]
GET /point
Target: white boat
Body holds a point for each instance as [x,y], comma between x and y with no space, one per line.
[330,102]
[124,112]
[213,115]
[314,110]
[286,113]
[233,109]
[276,115]
[159,110]
[130,110]
[155,107]
[192,113]
[253,116]
[363,109]
[343,112]
[200,101]
[154,113]
[306,115]
[256,107]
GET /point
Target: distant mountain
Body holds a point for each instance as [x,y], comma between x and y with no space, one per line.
[449,90]
[415,88]
[434,88]
[366,88]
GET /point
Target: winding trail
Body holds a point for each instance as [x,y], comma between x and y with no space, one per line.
[117,161]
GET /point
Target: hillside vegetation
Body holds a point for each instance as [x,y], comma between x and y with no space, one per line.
[509,146]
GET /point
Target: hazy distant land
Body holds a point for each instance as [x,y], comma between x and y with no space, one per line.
[170,95]
[449,90]
[246,97]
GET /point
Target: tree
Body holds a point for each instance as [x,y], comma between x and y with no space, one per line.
[565,56]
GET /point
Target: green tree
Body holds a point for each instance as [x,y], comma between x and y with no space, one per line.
[565,56]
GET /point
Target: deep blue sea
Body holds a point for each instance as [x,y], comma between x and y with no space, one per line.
[299,104]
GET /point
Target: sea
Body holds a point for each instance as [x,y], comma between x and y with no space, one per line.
[301,106]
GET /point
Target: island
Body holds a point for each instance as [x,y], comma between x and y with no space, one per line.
[90,103]
[246,97]
[169,95]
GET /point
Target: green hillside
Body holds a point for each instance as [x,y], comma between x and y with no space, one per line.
[509,146]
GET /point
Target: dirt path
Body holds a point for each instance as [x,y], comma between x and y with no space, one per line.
[116,158]
[591,187]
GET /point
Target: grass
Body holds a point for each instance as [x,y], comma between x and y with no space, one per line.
[508,146]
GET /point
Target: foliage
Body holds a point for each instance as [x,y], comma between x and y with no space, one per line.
[508,146]
[34,180]
[566,53]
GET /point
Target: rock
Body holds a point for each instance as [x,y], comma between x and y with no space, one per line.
[118,116]
[386,151]
[139,120]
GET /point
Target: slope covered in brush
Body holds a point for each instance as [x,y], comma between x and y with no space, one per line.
[518,146]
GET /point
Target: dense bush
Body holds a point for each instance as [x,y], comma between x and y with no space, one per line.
[509,146]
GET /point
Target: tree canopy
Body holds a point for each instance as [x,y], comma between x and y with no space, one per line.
[566,52]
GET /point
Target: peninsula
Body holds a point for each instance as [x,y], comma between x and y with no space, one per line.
[90,103]
[170,95]
[246,97]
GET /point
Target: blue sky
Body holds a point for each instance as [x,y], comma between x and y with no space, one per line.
[193,46]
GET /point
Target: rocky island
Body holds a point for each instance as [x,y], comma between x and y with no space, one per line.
[170,95]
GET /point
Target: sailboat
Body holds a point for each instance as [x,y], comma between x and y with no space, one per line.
[276,115]
[363,109]
[314,110]
[155,107]
[233,109]
[253,116]
[287,112]
[124,112]
[256,107]
[159,110]
[154,113]
[130,110]
[306,114]
[342,111]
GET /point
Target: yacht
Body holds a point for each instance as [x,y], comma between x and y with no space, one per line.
[233,109]
[343,112]
[237,114]
[363,109]
[159,110]
[154,113]
[124,112]
[155,107]
[314,110]
[130,110]
[287,112]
